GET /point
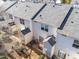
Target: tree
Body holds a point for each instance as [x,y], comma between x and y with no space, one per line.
[66,1]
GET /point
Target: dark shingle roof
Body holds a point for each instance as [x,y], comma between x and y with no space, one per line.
[25,31]
[51,41]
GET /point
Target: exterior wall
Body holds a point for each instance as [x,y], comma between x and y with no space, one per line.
[50,49]
[17,21]
[65,44]
[28,23]
[28,37]
[53,50]
[38,32]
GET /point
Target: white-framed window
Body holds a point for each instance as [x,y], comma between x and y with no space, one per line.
[22,21]
[2,18]
[44,27]
[61,54]
[10,16]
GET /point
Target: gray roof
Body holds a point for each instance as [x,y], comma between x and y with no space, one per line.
[71,28]
[6,5]
[53,15]
[25,10]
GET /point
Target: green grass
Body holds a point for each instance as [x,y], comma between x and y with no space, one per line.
[41,57]
[3,57]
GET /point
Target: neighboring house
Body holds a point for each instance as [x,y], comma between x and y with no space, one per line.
[76,4]
[42,20]
[4,18]
[67,40]
[49,19]
[47,22]
[22,12]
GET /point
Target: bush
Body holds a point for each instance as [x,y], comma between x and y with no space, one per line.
[3,57]
[66,1]
[41,57]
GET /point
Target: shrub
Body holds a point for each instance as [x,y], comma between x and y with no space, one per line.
[66,1]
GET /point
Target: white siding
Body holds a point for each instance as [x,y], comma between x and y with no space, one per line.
[28,37]
[17,21]
[50,49]
[38,32]
[65,44]
[53,50]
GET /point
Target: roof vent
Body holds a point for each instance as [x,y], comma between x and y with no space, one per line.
[72,22]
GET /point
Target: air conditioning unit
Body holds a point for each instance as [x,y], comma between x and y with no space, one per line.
[76,44]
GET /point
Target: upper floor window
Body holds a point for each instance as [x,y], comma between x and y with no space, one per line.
[61,54]
[44,27]
[10,16]
[2,18]
[22,21]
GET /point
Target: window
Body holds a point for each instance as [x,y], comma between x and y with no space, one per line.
[10,16]
[61,54]
[76,44]
[22,21]
[44,27]
[2,18]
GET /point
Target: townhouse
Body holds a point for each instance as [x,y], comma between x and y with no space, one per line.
[51,24]
[68,39]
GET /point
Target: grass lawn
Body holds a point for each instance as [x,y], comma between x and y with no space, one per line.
[2,56]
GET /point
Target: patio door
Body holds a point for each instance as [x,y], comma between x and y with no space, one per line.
[61,54]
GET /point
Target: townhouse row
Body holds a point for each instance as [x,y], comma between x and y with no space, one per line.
[57,26]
